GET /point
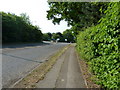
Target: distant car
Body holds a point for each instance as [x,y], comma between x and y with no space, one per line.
[53,40]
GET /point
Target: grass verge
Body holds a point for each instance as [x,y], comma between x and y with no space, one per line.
[87,75]
[39,73]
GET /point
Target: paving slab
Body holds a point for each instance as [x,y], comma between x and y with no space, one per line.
[65,73]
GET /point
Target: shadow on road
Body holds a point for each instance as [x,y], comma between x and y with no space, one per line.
[40,61]
[22,45]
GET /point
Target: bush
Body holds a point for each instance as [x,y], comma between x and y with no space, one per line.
[16,29]
[100,46]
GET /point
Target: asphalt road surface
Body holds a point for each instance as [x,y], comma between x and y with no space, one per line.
[18,60]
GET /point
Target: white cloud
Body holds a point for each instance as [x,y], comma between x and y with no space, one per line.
[36,9]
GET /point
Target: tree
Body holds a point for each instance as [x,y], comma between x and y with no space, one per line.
[75,13]
[80,15]
[50,35]
[55,36]
[46,37]
[25,18]
[67,34]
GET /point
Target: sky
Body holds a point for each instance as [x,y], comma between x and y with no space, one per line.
[36,9]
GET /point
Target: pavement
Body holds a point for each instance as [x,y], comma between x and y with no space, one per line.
[65,73]
[18,60]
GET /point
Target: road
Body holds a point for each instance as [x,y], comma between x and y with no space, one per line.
[66,73]
[18,60]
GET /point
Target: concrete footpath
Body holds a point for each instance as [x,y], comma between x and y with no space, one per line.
[65,73]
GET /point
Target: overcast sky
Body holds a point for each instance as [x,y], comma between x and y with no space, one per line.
[36,9]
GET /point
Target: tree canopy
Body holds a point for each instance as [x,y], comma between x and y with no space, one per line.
[67,34]
[85,14]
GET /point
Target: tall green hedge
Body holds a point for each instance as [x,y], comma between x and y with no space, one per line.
[16,29]
[100,46]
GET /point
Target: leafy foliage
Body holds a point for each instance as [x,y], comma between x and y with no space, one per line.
[47,36]
[67,34]
[100,46]
[75,13]
[100,43]
[19,29]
